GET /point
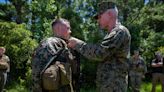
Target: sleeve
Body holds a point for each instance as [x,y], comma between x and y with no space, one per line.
[36,80]
[144,66]
[131,65]
[8,61]
[153,63]
[100,51]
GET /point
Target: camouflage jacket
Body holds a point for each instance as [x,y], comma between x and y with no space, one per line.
[5,59]
[137,66]
[42,55]
[112,53]
[115,45]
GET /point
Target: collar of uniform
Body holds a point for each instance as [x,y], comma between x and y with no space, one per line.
[62,38]
[118,25]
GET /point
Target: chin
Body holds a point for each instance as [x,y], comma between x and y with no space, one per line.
[67,38]
[103,27]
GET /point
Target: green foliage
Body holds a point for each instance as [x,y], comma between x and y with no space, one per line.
[6,12]
[19,46]
[88,70]
[152,16]
[151,21]
[146,28]
[88,90]
[75,20]
[161,49]
[146,87]
[17,87]
[42,14]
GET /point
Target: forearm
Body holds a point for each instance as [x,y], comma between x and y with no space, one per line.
[92,51]
[160,64]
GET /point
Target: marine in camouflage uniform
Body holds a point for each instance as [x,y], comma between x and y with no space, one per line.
[157,66]
[3,72]
[137,71]
[112,53]
[45,51]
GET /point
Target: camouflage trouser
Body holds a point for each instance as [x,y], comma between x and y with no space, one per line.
[157,77]
[3,78]
[66,88]
[135,83]
[110,79]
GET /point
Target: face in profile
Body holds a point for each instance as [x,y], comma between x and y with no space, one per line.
[63,30]
[66,31]
[2,51]
[106,20]
[103,20]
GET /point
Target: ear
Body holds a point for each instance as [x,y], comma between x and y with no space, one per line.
[59,28]
[56,27]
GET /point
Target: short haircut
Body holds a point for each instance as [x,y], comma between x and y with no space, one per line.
[59,21]
[114,11]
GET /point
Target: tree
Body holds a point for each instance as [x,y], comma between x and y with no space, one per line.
[20,8]
[148,26]
[6,12]
[19,46]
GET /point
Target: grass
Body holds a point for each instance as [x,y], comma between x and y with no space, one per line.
[146,87]
[15,87]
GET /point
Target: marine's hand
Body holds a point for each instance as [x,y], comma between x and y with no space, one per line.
[72,42]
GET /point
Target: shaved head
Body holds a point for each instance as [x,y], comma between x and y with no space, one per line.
[61,28]
[59,21]
[114,12]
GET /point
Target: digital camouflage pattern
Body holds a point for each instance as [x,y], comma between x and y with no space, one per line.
[3,73]
[136,73]
[45,51]
[113,55]
[76,71]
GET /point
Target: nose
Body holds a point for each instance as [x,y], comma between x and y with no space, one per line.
[70,31]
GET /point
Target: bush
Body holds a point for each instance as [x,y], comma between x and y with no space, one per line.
[19,47]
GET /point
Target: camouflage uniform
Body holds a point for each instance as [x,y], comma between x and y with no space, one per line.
[47,49]
[3,73]
[76,71]
[112,53]
[136,73]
